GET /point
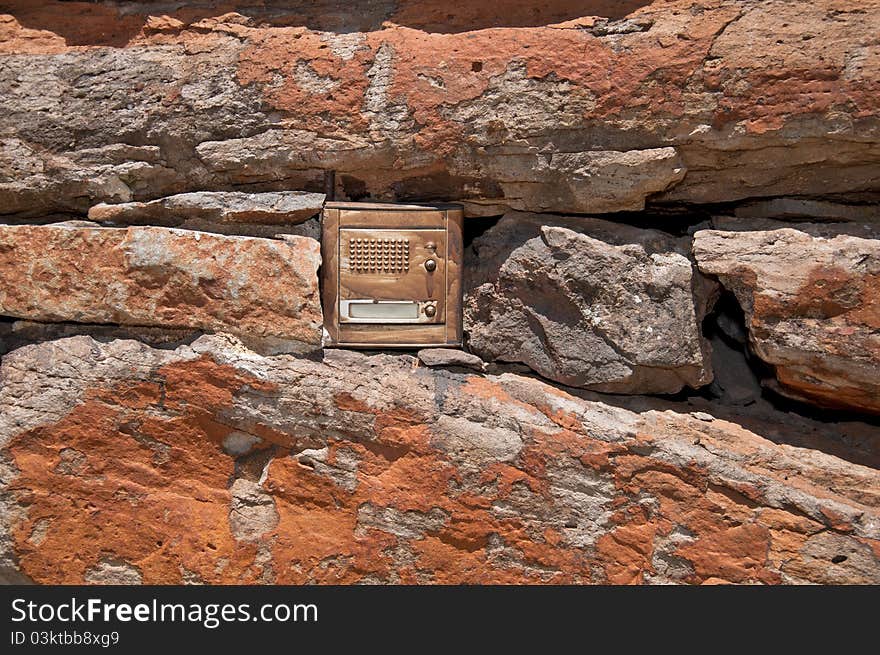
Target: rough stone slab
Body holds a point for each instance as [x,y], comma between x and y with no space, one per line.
[588,303]
[151,276]
[812,308]
[593,181]
[862,229]
[696,102]
[398,474]
[276,208]
[19,333]
[450,357]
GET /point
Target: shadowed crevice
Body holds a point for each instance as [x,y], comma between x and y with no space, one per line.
[114,24]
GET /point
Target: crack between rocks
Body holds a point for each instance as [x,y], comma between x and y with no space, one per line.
[725,27]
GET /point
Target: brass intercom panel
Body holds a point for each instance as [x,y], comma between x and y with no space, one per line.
[391,275]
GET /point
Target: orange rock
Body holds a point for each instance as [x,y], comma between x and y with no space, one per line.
[517,106]
[258,288]
[354,470]
[812,308]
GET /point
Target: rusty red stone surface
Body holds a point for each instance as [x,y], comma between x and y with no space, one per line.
[812,308]
[366,481]
[154,276]
[420,101]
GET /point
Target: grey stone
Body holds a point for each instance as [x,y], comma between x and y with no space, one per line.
[450,357]
[112,571]
[591,115]
[19,333]
[252,512]
[214,207]
[239,443]
[402,524]
[861,228]
[588,303]
[732,327]
[343,470]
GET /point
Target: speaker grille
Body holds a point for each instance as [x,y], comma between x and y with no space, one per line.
[378,256]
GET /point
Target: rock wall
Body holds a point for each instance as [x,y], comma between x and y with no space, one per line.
[672,282]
